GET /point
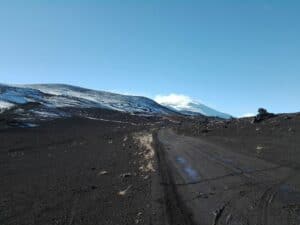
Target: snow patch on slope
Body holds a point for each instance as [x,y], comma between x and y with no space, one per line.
[5,105]
[67,95]
[13,96]
[58,100]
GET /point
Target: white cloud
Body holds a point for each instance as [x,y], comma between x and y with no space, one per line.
[186,103]
[174,100]
[248,115]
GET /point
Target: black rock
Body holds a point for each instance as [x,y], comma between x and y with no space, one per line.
[263,114]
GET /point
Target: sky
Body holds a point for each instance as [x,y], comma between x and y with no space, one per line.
[234,56]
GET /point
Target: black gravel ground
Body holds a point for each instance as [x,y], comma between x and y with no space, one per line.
[71,172]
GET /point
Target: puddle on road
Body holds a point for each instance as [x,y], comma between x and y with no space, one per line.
[191,173]
[187,169]
[181,160]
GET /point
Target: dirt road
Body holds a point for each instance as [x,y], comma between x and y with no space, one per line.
[220,186]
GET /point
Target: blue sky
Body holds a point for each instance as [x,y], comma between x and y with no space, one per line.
[235,56]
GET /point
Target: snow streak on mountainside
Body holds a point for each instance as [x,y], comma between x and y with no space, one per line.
[43,101]
[51,98]
[5,105]
[102,99]
[187,106]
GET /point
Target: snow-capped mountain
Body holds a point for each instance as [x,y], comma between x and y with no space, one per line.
[101,99]
[188,106]
[193,108]
[50,100]
[46,101]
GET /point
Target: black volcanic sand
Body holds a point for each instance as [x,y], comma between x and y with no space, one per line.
[206,171]
[276,139]
[71,172]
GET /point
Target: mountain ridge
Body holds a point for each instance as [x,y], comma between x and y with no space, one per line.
[53,97]
[188,106]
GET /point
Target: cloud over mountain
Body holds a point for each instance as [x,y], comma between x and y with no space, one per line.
[187,105]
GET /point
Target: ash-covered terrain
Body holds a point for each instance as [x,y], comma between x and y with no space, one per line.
[70,155]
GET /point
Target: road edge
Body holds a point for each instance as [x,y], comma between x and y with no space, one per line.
[176,211]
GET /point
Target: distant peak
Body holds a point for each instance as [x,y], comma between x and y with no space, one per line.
[187,105]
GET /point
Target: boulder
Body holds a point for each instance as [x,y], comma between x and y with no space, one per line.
[263,114]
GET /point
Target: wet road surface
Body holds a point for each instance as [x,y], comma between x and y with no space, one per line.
[219,186]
